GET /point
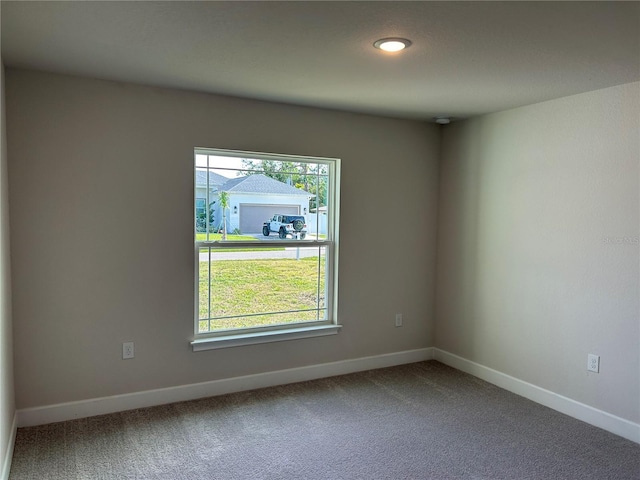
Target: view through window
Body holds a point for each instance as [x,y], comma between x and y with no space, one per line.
[265,241]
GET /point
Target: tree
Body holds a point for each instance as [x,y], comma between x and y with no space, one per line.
[224,204]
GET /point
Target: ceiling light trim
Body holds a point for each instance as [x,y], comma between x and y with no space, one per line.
[392,44]
[442,120]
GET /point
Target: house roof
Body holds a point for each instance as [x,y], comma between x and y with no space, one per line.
[215,179]
[259,183]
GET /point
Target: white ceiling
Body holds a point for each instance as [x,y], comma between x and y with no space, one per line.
[467,58]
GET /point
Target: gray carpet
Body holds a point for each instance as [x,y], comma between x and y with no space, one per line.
[418,421]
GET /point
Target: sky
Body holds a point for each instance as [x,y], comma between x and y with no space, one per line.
[233,163]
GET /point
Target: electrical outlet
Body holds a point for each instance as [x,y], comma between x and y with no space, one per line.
[127,350]
[398,319]
[593,363]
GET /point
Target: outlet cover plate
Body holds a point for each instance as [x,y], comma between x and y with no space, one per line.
[127,350]
[593,363]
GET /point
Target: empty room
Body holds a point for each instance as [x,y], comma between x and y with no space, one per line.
[320,240]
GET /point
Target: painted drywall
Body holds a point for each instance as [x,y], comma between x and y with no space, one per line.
[538,260]
[104,252]
[7,402]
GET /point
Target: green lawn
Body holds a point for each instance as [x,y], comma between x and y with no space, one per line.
[240,287]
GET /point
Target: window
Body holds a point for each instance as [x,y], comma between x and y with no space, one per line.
[266,249]
[200,206]
[201,212]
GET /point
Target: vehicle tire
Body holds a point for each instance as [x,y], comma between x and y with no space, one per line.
[266,231]
[282,233]
[298,225]
[302,235]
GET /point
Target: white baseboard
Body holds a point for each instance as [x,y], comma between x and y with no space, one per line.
[6,461]
[593,416]
[118,403]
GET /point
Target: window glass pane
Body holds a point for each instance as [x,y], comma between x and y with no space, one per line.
[316,215]
[261,287]
[201,160]
[200,206]
[252,199]
[206,194]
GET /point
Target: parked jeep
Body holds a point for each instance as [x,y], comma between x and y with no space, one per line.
[285,225]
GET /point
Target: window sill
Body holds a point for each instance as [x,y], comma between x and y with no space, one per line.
[263,337]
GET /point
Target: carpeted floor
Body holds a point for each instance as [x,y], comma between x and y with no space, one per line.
[418,421]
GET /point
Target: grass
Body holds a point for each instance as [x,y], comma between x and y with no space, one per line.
[242,287]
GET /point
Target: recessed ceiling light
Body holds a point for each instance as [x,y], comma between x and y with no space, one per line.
[443,120]
[392,44]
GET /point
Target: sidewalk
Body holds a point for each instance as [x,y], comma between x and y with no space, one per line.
[291,252]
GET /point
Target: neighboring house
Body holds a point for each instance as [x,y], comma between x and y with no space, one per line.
[252,200]
[215,180]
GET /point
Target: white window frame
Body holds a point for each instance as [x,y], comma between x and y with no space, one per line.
[275,333]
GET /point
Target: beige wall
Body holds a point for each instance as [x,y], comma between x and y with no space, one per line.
[7,404]
[105,253]
[537,243]
[538,259]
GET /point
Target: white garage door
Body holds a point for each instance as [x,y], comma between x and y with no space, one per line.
[252,217]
